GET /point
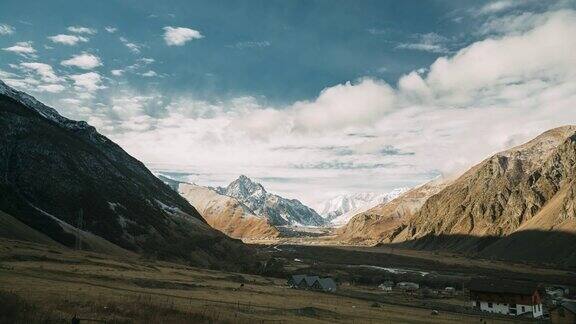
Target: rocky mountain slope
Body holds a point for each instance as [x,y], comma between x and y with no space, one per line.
[279,211]
[340,209]
[517,205]
[227,214]
[51,168]
[380,223]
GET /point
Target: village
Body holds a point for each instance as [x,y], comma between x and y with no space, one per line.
[518,300]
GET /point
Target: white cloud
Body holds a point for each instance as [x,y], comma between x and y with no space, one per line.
[90,81]
[498,6]
[23,48]
[178,36]
[82,30]
[336,108]
[111,29]
[150,73]
[6,29]
[68,39]
[133,47]
[251,44]
[45,71]
[430,42]
[84,61]
[52,88]
[117,72]
[71,101]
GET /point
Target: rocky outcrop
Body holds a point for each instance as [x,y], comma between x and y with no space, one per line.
[51,168]
[227,214]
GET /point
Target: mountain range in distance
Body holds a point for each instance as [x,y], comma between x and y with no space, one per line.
[340,209]
[63,182]
[245,209]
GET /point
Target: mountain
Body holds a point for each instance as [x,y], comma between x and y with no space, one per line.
[380,222]
[53,168]
[340,209]
[227,214]
[279,211]
[519,204]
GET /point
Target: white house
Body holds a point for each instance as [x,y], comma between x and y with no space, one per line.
[506,297]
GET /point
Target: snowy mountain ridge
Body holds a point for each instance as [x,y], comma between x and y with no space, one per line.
[340,209]
[279,211]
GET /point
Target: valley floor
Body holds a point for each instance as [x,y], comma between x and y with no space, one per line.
[51,285]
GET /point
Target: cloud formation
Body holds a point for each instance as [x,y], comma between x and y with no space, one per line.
[430,42]
[83,61]
[133,47]
[504,89]
[82,30]
[68,39]
[6,29]
[45,71]
[178,36]
[90,81]
[22,48]
[498,6]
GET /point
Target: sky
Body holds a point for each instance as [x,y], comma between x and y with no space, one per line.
[311,98]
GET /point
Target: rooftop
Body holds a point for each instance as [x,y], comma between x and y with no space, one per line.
[502,286]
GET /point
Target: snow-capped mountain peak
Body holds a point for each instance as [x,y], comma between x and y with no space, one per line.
[279,210]
[245,187]
[341,208]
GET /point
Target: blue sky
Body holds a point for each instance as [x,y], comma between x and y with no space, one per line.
[313,98]
[280,50]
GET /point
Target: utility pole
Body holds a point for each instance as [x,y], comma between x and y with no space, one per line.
[79,229]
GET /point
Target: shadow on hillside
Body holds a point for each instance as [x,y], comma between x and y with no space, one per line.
[556,249]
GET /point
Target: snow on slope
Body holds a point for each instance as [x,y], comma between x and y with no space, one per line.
[280,211]
[340,209]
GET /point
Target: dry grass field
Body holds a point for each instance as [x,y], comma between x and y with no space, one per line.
[51,284]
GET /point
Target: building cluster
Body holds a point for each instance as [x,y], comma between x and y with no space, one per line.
[312,283]
[413,287]
[511,298]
